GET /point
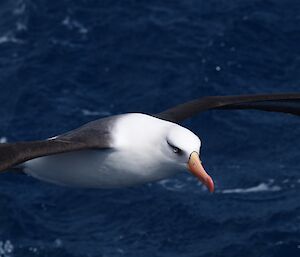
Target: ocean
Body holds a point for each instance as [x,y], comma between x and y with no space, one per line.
[64,63]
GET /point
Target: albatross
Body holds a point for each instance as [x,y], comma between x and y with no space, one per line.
[133,148]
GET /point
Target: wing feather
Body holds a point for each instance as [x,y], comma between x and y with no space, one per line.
[93,135]
[284,102]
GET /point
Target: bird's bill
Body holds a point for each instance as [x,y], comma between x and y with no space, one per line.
[195,166]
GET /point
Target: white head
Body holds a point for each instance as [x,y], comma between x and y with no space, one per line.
[160,146]
[179,143]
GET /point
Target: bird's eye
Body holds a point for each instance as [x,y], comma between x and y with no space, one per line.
[175,149]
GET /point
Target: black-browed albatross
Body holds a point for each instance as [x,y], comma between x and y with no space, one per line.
[133,148]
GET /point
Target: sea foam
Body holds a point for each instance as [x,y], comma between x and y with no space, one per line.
[262,187]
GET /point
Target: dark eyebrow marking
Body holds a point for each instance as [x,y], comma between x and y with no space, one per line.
[175,148]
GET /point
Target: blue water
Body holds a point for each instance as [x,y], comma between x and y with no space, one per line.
[63,63]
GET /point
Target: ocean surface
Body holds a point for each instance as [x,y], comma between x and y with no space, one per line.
[64,63]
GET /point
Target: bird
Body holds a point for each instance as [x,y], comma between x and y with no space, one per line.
[132,148]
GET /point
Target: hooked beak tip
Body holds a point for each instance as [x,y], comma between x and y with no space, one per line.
[210,184]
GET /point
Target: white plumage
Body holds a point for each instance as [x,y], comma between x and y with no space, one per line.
[143,151]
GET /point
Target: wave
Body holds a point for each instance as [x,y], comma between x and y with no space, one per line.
[86,112]
[6,248]
[10,39]
[174,184]
[73,24]
[262,187]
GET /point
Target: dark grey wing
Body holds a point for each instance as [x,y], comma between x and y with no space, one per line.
[285,103]
[93,135]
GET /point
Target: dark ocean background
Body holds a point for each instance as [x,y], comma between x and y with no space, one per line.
[64,63]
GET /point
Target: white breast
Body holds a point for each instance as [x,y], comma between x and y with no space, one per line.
[97,169]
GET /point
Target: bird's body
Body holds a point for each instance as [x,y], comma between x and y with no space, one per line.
[130,149]
[132,159]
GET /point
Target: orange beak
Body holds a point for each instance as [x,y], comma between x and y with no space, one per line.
[197,170]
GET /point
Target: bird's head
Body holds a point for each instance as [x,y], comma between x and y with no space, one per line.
[183,147]
[154,145]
